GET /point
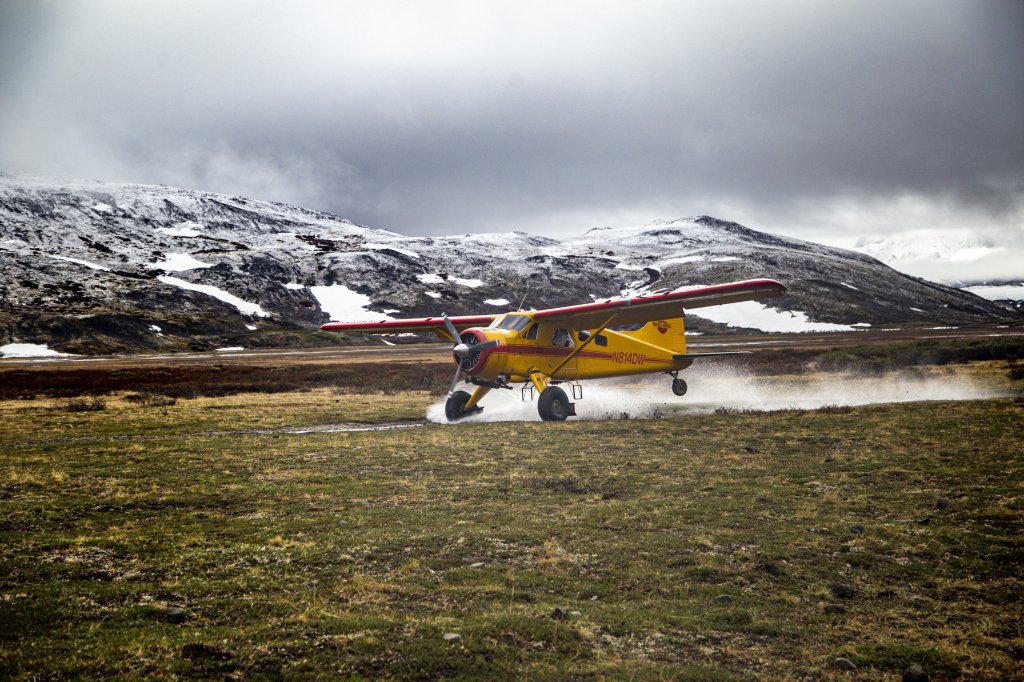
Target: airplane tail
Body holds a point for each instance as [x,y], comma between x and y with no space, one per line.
[669,334]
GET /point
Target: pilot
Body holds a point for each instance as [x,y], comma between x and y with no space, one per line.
[561,338]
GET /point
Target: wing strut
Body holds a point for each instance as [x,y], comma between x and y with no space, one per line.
[575,352]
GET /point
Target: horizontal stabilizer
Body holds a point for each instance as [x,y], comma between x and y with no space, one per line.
[687,356]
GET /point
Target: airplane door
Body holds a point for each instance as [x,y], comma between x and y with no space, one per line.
[564,341]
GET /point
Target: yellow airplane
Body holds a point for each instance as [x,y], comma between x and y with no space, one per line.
[543,348]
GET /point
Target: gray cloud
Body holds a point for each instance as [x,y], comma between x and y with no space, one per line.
[815,119]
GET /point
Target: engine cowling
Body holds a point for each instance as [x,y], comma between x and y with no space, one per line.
[474,358]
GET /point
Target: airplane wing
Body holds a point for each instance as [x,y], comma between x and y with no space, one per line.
[590,315]
[660,306]
[419,324]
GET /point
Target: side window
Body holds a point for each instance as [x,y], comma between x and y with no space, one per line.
[531,333]
[601,340]
[562,338]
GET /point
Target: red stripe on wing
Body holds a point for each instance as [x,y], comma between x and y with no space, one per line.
[408,325]
[767,285]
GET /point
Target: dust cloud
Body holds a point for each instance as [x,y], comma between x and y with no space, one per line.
[720,386]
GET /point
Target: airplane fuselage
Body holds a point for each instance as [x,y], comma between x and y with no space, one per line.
[541,346]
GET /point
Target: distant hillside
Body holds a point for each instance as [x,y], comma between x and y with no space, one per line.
[89,267]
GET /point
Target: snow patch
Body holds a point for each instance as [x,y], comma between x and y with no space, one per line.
[758,316]
[102,208]
[251,327]
[431,278]
[724,259]
[341,303]
[293,285]
[496,301]
[849,286]
[88,264]
[155,328]
[30,350]
[186,229]
[680,260]
[178,262]
[388,247]
[219,294]
[228,349]
[432,294]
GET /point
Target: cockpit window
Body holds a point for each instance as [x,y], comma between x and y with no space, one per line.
[516,323]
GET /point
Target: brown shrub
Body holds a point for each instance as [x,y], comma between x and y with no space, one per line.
[150,399]
[90,404]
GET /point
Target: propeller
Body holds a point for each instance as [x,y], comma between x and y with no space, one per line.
[458,346]
[467,350]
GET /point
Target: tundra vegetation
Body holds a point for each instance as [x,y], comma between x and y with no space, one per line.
[207,532]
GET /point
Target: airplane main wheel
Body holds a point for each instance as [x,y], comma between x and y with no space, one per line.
[679,387]
[554,405]
[455,408]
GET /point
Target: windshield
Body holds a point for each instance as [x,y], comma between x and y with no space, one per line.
[514,322]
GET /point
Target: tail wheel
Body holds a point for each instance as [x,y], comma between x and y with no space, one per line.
[455,408]
[679,387]
[554,405]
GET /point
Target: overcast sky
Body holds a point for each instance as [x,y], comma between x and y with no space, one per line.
[834,121]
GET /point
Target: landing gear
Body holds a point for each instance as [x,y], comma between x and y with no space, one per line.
[455,408]
[554,405]
[679,386]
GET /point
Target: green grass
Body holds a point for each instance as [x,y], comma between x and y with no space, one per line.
[327,555]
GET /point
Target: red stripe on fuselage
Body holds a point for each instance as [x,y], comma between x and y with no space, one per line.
[551,351]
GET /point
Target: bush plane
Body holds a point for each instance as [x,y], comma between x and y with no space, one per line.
[544,348]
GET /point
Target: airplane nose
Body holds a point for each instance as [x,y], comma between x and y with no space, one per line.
[461,351]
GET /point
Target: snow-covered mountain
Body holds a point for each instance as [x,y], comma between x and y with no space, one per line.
[986,268]
[101,267]
[943,250]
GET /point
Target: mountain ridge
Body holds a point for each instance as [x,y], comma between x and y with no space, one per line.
[93,267]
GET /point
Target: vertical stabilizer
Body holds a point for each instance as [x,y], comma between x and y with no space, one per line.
[668,334]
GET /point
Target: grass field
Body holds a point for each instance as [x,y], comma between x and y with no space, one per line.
[207,538]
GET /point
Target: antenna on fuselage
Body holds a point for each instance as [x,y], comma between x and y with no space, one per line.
[520,308]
